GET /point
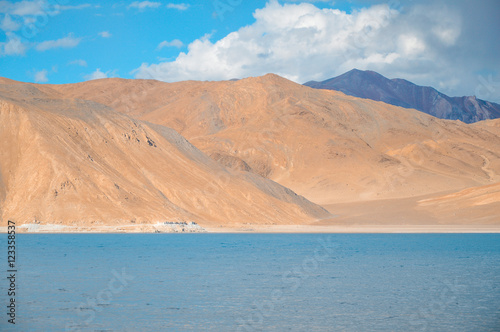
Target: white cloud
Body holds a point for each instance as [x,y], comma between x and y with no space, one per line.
[299,41]
[41,76]
[66,42]
[105,34]
[13,46]
[411,45]
[27,11]
[97,74]
[79,62]
[23,8]
[174,43]
[8,24]
[144,4]
[77,7]
[448,35]
[16,13]
[178,6]
[56,9]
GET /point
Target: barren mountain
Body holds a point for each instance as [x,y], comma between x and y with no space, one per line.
[102,152]
[324,145]
[399,92]
[480,204]
[72,161]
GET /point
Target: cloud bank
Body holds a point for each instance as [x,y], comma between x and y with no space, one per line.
[423,43]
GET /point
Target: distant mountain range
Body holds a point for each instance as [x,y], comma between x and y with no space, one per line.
[399,92]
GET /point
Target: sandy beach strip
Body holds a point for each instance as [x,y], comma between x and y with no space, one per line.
[358,229]
[256,228]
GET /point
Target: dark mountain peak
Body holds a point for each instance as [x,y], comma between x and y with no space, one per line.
[359,71]
[400,92]
[360,74]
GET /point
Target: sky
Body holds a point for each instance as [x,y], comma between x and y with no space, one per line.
[451,45]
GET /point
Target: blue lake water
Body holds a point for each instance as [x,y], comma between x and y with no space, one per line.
[255,282]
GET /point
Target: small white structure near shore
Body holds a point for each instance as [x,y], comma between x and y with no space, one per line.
[178,227]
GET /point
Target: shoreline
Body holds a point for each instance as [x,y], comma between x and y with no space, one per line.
[362,229]
[265,229]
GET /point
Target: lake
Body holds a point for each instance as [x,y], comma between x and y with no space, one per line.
[255,282]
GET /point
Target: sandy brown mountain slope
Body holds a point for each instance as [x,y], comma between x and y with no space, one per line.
[481,204]
[69,161]
[327,146]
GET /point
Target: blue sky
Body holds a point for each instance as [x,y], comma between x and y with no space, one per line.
[450,45]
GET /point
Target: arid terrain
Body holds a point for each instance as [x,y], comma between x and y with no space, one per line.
[261,153]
